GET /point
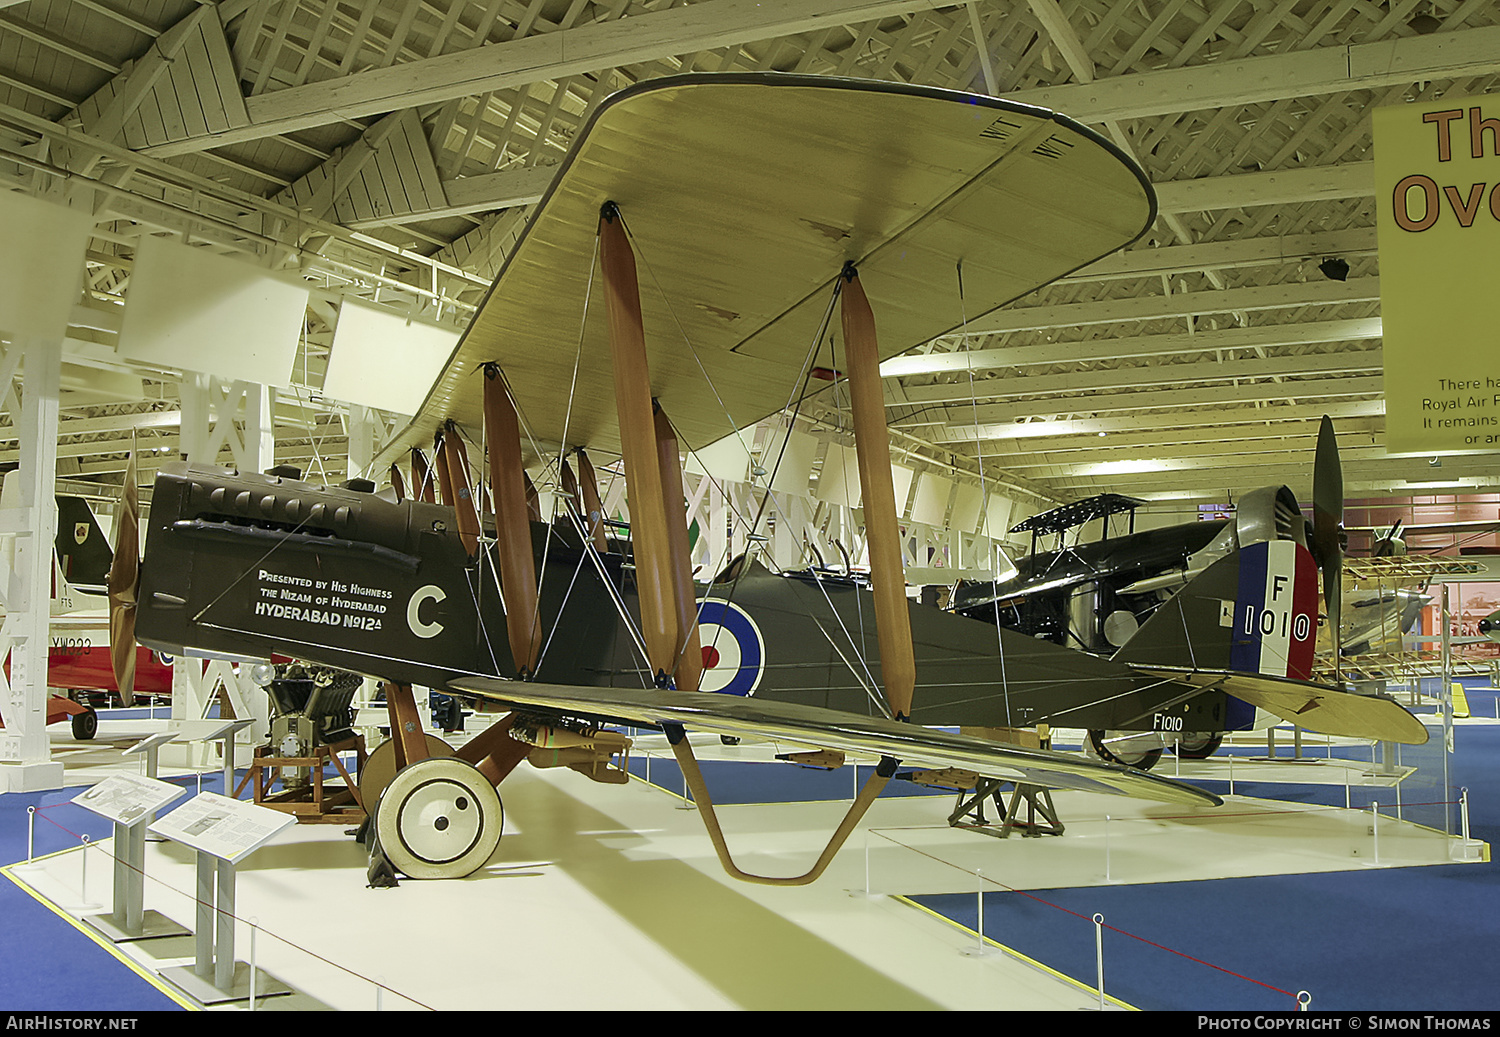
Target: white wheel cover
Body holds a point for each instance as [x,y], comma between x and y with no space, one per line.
[439,818]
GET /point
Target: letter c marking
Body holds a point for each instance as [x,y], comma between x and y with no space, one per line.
[427,593]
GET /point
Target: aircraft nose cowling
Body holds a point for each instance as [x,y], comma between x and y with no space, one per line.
[1489,626]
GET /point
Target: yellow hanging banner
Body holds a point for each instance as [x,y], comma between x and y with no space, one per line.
[1437,194]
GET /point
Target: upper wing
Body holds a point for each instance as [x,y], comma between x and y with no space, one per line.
[833,729]
[744,194]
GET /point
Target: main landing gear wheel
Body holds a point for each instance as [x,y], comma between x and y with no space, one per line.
[85,725]
[1198,747]
[1116,747]
[439,819]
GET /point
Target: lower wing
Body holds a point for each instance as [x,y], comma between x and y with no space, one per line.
[833,729]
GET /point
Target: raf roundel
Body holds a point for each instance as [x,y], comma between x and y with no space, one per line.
[733,650]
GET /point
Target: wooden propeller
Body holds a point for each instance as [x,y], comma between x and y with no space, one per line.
[1328,523]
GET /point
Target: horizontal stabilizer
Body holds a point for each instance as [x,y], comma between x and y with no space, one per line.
[1316,707]
[911,744]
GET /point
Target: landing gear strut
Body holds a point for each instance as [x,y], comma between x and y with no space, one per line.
[1123,748]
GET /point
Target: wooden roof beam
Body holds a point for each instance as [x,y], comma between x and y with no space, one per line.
[1322,70]
[544,56]
[1182,304]
[1163,424]
[1176,344]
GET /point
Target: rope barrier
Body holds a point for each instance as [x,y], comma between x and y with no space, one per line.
[1098,921]
[1090,919]
[83,840]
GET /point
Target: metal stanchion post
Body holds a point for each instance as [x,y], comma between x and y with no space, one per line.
[1099,956]
[867,862]
[253,928]
[31,862]
[979,892]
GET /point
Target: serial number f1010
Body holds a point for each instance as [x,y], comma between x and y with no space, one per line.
[1270,622]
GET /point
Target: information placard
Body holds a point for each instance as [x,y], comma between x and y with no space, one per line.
[229,829]
[127,798]
[1437,193]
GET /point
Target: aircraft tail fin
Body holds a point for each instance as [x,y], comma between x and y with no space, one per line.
[83,553]
[1247,626]
[1254,611]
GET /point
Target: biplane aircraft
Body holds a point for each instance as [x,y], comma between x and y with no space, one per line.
[763,209]
[78,648]
[1094,596]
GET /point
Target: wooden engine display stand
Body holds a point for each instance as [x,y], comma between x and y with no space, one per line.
[316,803]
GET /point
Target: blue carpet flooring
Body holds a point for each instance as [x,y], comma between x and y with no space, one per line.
[1409,938]
[1413,938]
[47,963]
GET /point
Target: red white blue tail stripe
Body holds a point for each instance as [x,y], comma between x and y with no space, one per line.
[1276,611]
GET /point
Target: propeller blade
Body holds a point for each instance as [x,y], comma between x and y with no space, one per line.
[1386,546]
[123,584]
[1328,521]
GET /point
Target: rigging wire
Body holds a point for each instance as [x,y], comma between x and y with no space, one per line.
[984,492]
[794,402]
[552,475]
[794,399]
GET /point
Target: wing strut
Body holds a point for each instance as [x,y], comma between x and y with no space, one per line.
[677,738]
[898,667]
[593,507]
[453,483]
[648,516]
[124,584]
[512,528]
[421,478]
[688,671]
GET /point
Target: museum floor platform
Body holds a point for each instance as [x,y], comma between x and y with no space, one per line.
[611,897]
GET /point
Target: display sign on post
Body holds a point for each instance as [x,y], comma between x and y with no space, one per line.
[1437,193]
[130,801]
[225,828]
[223,831]
[127,799]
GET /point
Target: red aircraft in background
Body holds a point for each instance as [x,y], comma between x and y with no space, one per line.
[78,654]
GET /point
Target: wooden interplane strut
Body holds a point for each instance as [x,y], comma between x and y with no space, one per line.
[594,507]
[648,520]
[453,481]
[421,477]
[898,667]
[518,583]
[689,670]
